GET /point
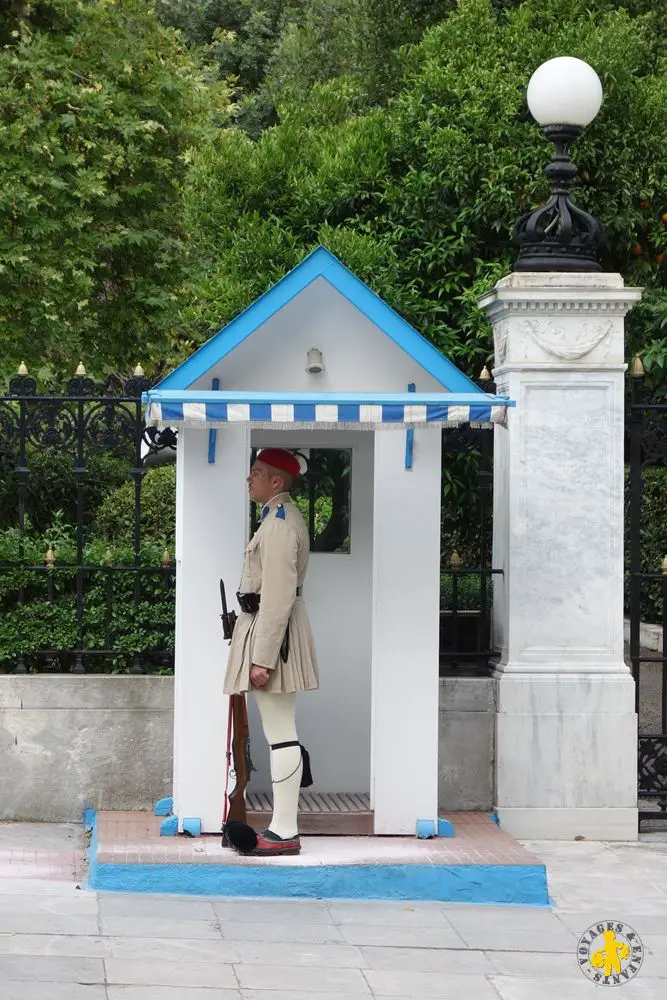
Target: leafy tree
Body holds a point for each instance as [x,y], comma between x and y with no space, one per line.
[358,40]
[419,196]
[238,37]
[100,107]
[276,50]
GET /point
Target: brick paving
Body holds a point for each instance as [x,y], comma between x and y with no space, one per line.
[42,851]
[134,838]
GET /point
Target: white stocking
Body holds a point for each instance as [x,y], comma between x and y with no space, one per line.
[278,715]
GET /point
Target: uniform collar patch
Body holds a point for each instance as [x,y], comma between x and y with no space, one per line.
[280,511]
[275,504]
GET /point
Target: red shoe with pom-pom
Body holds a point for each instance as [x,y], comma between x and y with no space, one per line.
[270,844]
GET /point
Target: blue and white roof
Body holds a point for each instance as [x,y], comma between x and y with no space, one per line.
[356,411]
[185,396]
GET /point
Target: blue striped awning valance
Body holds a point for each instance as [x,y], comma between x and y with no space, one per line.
[353,411]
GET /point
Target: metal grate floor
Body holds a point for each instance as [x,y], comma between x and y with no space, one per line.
[332,813]
[316,802]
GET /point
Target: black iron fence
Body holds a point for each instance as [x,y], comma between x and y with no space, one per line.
[646,587]
[467,575]
[71,600]
[87,576]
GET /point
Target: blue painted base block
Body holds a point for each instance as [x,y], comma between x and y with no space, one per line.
[524,885]
[446,828]
[164,807]
[517,884]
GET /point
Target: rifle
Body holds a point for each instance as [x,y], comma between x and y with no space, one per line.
[235,806]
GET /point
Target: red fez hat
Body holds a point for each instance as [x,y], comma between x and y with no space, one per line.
[278,458]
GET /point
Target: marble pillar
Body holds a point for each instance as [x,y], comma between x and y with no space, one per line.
[566,738]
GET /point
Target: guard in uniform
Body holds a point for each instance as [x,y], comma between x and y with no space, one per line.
[272,651]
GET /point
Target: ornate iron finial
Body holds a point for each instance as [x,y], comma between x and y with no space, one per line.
[558,236]
[455,560]
[50,558]
[166,559]
[663,566]
[485,375]
[137,383]
[108,557]
[637,367]
[81,384]
[22,384]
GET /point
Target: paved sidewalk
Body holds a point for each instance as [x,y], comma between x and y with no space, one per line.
[58,942]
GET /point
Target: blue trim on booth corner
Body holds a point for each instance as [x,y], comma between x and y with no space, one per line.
[519,885]
[320,263]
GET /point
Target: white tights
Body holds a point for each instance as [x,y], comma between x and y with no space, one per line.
[278,715]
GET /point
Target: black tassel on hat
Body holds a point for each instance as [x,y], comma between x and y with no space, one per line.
[306,776]
[240,836]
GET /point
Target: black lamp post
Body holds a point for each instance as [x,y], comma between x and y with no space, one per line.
[564,95]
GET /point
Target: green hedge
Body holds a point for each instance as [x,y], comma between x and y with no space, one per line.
[47,617]
[145,629]
[653,536]
[114,521]
[52,485]
[468,591]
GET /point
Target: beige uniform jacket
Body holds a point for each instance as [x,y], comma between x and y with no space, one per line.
[275,565]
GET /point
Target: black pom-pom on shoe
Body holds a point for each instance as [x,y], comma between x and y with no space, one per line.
[240,836]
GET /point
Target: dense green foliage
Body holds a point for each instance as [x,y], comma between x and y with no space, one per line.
[141,212]
[52,485]
[275,51]
[419,196]
[99,108]
[114,520]
[45,619]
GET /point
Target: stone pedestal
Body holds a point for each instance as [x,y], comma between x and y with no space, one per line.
[566,742]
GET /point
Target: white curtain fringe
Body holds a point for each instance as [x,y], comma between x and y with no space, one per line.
[326,426]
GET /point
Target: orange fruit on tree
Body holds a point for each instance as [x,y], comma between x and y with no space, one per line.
[664,218]
[637,250]
[660,257]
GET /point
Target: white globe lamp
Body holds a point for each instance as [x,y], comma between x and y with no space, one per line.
[564,91]
[564,95]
